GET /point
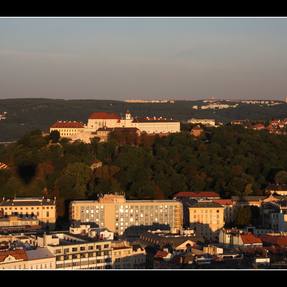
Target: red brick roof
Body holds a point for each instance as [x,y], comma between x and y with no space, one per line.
[249,238]
[196,194]
[104,116]
[279,240]
[223,201]
[67,124]
[18,254]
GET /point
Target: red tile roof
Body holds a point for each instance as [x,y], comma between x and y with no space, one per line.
[104,116]
[196,194]
[279,240]
[249,238]
[67,124]
[161,254]
[223,201]
[18,254]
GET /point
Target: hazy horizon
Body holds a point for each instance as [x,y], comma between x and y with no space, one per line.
[144,58]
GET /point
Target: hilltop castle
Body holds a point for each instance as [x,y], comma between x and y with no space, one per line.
[100,124]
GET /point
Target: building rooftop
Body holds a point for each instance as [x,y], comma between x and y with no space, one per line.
[27,201]
[39,253]
[18,254]
[152,120]
[67,124]
[104,116]
[249,238]
[196,194]
[206,204]
[248,198]
[223,201]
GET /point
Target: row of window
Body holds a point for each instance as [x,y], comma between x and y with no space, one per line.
[205,211]
[26,208]
[83,248]
[83,255]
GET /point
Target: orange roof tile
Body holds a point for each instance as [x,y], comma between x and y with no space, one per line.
[223,201]
[18,254]
[105,116]
[279,240]
[67,124]
[249,238]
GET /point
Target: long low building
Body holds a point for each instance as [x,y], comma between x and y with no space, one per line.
[108,121]
[120,215]
[20,259]
[44,209]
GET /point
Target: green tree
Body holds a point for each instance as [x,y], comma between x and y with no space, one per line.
[281,177]
[243,216]
[54,136]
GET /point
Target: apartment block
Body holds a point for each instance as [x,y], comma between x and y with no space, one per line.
[118,214]
[77,252]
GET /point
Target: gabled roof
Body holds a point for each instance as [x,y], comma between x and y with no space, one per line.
[104,116]
[196,194]
[18,254]
[67,124]
[249,238]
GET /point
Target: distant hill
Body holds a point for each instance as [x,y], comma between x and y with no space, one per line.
[24,115]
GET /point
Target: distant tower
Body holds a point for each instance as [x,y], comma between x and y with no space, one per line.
[128,115]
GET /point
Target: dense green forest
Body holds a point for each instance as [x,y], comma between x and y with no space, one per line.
[229,160]
[25,115]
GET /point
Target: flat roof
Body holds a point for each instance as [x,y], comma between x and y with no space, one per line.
[39,253]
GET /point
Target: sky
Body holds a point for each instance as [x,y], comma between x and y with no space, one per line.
[143,58]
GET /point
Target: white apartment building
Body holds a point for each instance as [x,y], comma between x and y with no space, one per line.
[118,214]
[77,252]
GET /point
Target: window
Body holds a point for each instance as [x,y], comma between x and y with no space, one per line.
[74,249]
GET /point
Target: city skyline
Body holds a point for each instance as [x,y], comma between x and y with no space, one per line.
[143,58]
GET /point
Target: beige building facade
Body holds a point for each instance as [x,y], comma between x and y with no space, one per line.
[38,259]
[118,214]
[44,209]
[206,218]
[127,256]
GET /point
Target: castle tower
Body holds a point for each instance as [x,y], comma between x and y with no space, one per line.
[128,115]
